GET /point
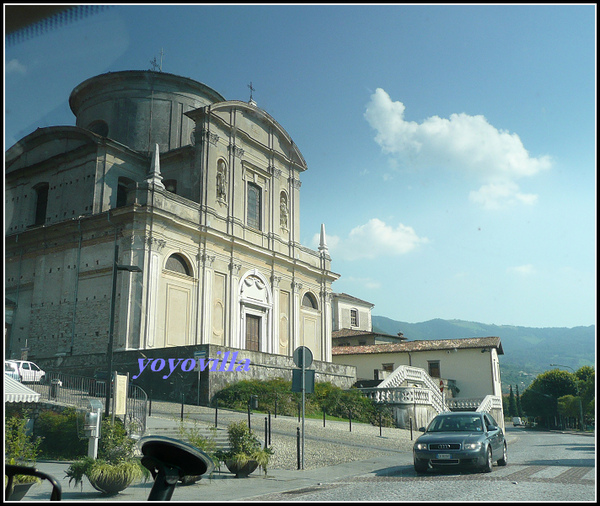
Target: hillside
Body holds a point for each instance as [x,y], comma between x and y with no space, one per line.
[528,351]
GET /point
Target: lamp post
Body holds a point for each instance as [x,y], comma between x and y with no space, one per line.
[111,328]
[578,394]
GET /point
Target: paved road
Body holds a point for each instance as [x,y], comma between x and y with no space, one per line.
[543,466]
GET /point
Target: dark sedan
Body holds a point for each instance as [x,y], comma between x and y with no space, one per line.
[471,439]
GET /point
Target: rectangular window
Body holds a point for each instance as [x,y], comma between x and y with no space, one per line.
[354,318]
[41,203]
[434,368]
[254,206]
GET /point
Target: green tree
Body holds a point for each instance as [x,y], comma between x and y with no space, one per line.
[540,399]
[519,406]
[586,380]
[568,405]
[512,403]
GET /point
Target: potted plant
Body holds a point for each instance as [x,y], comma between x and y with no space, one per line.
[246,452]
[20,449]
[116,468]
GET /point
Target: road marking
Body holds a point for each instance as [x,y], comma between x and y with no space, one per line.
[500,471]
[590,475]
[573,474]
[550,472]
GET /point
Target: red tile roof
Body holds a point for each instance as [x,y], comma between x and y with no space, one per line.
[430,345]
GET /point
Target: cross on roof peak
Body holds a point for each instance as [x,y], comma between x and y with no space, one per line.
[251,90]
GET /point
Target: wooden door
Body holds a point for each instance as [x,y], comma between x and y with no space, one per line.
[252,332]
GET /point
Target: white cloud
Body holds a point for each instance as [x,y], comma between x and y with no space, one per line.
[498,195]
[14,66]
[367,283]
[522,270]
[372,240]
[462,143]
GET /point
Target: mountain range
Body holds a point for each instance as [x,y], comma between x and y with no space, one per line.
[528,351]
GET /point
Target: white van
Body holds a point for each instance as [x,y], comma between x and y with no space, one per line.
[517,421]
[30,372]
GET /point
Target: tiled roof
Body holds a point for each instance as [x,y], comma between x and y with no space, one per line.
[440,344]
[351,298]
[361,333]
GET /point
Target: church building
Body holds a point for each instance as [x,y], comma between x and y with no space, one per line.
[166,223]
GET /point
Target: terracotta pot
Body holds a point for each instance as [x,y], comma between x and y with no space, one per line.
[108,484]
[241,471]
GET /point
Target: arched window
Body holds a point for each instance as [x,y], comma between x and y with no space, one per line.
[41,203]
[123,187]
[177,263]
[254,206]
[309,301]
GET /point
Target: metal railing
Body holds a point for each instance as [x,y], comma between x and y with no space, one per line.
[79,390]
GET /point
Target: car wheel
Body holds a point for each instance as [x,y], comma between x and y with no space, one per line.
[420,466]
[504,460]
[487,467]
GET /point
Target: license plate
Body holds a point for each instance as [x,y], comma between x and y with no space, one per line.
[444,456]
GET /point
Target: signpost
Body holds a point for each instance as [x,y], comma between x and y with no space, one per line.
[121,383]
[303,358]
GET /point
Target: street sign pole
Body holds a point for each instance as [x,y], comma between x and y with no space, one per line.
[303,397]
[303,358]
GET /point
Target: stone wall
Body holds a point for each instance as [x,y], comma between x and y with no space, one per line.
[195,387]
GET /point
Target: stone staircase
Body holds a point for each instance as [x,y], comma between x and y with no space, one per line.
[407,376]
[218,435]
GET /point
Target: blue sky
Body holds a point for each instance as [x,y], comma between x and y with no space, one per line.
[451,149]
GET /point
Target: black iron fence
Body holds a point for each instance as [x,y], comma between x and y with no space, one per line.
[79,390]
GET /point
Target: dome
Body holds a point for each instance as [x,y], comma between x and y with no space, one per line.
[141,108]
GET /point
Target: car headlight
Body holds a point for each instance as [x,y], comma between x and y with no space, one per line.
[472,446]
[421,446]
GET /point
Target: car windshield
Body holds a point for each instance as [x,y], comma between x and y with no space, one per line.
[466,423]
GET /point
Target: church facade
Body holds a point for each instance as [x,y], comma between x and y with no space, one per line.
[188,202]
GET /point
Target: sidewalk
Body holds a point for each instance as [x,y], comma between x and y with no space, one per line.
[368,451]
[331,453]
[223,486]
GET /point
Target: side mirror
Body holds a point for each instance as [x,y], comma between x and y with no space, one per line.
[169,460]
[11,470]
[422,429]
[491,428]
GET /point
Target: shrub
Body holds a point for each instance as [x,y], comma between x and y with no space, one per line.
[334,400]
[19,447]
[60,433]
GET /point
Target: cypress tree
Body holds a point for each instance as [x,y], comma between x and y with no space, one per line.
[512,405]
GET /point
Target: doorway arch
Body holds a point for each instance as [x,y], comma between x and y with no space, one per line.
[256,312]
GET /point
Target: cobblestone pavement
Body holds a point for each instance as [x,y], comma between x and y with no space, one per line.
[323,446]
